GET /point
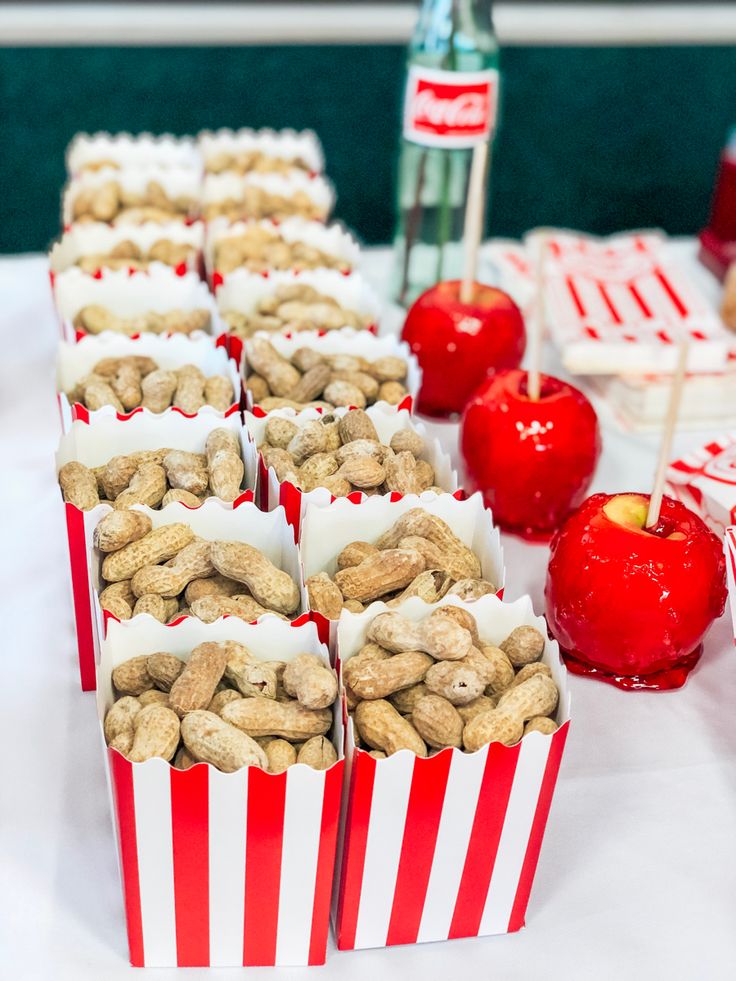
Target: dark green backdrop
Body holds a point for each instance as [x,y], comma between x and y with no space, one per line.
[596,138]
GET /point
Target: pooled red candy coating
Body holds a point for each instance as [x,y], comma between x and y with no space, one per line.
[533,461]
[457,343]
[628,605]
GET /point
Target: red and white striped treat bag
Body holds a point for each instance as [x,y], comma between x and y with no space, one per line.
[334,240]
[326,530]
[230,195]
[93,445]
[273,493]
[729,543]
[221,869]
[124,151]
[620,304]
[705,480]
[444,847]
[157,290]
[179,184]
[300,149]
[75,361]
[88,240]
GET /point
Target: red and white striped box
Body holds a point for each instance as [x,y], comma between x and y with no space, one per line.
[334,240]
[231,189]
[241,291]
[175,181]
[157,289]
[280,144]
[126,151]
[221,869]
[272,493]
[444,847]
[93,445]
[729,543]
[325,531]
[77,360]
[705,481]
[98,239]
[619,305]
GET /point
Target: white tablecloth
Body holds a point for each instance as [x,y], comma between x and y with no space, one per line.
[637,876]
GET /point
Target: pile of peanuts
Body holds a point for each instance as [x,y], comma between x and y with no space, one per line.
[257,202]
[312,380]
[433,684]
[135,380]
[94,319]
[169,572]
[419,555]
[224,706]
[293,307]
[346,455]
[252,162]
[260,249]
[155,478]
[128,255]
[111,202]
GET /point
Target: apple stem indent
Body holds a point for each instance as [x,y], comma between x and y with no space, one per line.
[665,446]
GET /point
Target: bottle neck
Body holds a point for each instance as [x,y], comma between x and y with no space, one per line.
[449,25]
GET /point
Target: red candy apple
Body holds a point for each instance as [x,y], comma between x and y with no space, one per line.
[533,461]
[630,605]
[457,343]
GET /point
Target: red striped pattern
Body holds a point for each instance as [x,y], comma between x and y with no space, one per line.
[76,538]
[185,872]
[455,849]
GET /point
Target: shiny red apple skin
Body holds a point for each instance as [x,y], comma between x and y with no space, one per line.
[629,607]
[532,461]
[457,344]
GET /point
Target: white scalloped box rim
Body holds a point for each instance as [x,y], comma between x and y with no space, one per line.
[133,150]
[241,290]
[97,238]
[283,144]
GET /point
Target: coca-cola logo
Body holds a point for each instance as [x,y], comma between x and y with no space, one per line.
[449,108]
[466,111]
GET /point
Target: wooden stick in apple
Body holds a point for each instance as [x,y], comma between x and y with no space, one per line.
[673,409]
[474,211]
[534,337]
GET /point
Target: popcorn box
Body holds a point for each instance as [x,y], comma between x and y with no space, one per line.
[334,240]
[176,182]
[729,543]
[221,869]
[93,445]
[272,493]
[96,238]
[77,360]
[705,481]
[125,151]
[444,847]
[326,530]
[231,187]
[242,291]
[282,144]
[158,289]
[346,340]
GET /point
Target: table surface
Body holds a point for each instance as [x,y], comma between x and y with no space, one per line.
[637,876]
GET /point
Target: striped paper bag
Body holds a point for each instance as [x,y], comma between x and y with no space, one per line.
[221,869]
[444,847]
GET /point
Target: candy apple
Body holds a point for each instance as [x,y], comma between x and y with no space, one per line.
[458,343]
[628,604]
[532,460]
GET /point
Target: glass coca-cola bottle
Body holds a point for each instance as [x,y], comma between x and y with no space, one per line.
[449,106]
